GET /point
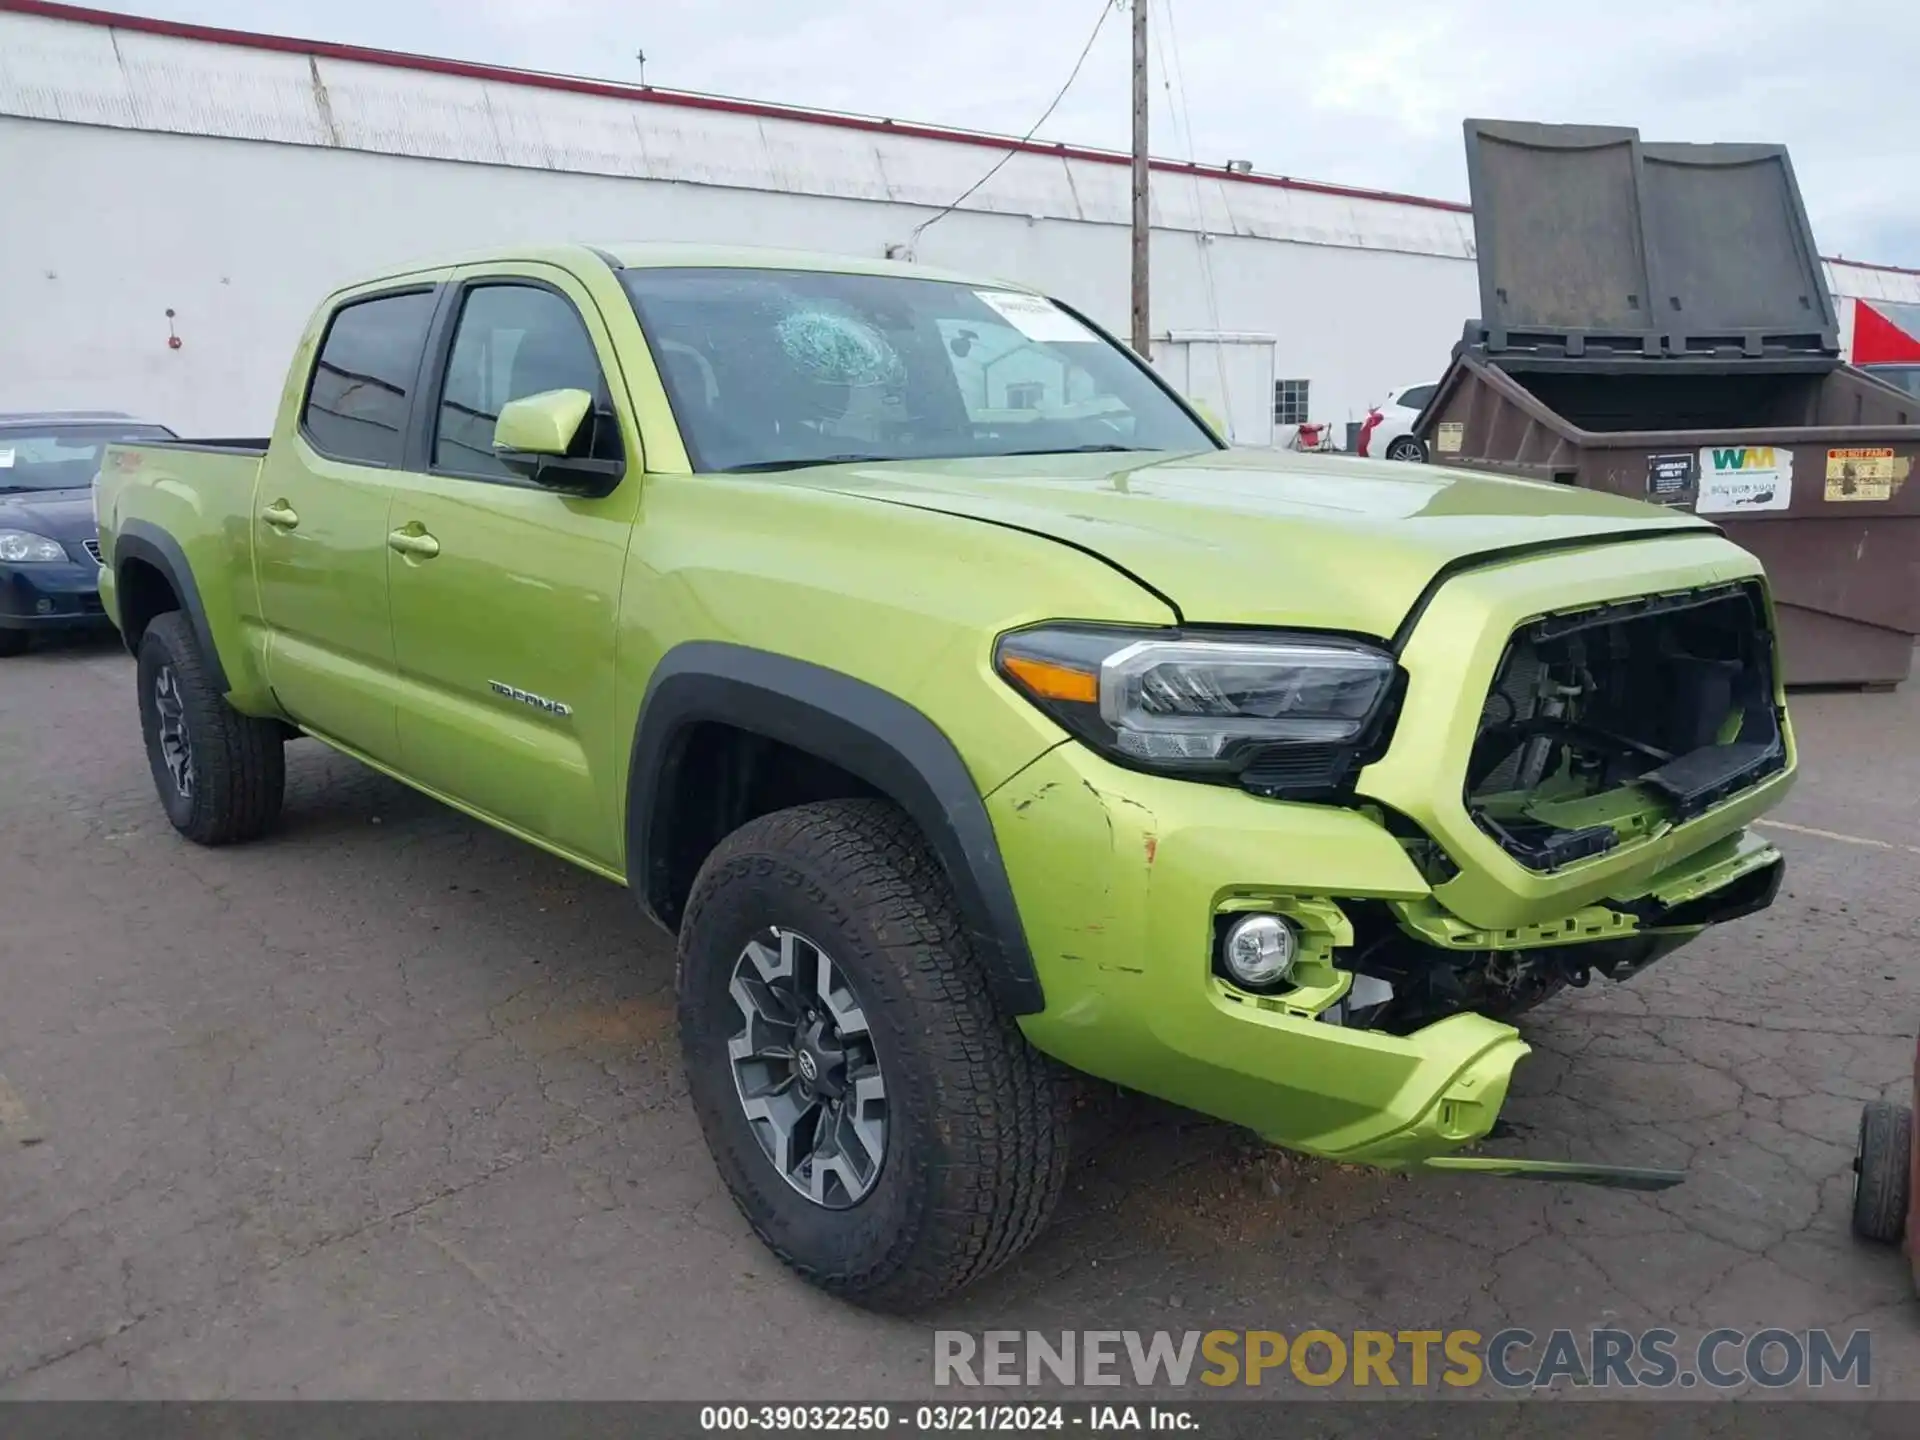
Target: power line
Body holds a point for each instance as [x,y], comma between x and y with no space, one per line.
[1107,7]
[1171,74]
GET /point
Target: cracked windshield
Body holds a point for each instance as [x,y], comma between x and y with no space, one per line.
[845,367]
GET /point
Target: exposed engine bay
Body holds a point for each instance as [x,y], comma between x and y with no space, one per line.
[1601,726]
[1605,723]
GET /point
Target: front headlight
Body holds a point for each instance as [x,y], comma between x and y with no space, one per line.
[21,547]
[1198,704]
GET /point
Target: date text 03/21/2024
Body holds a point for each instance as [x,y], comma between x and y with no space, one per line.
[932,1419]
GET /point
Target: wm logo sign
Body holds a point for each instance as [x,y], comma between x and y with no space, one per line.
[1746,457]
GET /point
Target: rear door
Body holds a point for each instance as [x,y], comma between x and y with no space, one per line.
[504,623]
[319,518]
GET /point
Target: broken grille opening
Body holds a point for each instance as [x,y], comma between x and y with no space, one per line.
[1607,722]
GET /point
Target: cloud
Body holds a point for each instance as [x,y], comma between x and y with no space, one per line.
[1366,92]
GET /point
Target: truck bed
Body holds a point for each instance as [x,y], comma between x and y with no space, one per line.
[250,445]
[200,489]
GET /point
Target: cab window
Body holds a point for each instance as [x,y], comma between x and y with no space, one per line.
[513,341]
[357,400]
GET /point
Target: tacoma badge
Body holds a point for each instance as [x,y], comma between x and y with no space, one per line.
[538,702]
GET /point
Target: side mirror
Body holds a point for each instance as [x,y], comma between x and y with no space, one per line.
[533,435]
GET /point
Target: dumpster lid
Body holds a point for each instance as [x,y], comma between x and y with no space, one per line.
[1594,245]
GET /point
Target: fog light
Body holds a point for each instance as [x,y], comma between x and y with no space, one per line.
[1260,950]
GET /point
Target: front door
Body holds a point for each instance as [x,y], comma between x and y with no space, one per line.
[319,523]
[505,595]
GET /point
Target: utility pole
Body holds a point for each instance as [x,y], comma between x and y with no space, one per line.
[1142,333]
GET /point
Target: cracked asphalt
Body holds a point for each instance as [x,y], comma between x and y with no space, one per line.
[389,1106]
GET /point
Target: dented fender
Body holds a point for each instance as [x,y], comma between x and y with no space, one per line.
[1118,877]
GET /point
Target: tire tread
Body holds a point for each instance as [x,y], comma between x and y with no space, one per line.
[1880,1196]
[239,762]
[1006,1111]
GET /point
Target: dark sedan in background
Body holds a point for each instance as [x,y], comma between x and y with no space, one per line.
[49,550]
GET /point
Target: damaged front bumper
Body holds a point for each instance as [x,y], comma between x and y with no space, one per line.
[1124,945]
[1123,880]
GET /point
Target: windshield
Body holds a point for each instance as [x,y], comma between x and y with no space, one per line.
[769,369]
[61,457]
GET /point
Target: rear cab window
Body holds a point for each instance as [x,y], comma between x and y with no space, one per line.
[358,396]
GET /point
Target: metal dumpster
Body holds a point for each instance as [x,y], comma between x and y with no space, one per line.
[1656,323]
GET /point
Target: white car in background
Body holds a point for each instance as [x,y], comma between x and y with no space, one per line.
[1393,437]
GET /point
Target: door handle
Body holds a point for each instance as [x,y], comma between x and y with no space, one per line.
[414,542]
[280,515]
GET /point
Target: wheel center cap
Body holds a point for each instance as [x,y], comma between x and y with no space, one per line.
[819,1062]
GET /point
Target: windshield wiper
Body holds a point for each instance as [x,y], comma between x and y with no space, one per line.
[803,463]
[807,462]
[1075,450]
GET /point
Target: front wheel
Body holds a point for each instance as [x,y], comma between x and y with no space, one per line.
[13,642]
[220,774]
[885,1129]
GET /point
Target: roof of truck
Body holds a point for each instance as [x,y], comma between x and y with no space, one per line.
[653,255]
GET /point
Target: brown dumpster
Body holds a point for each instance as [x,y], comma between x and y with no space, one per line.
[1659,326]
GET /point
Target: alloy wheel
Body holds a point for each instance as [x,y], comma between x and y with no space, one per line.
[806,1070]
[176,750]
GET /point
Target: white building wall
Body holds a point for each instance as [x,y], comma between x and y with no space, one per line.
[241,238]
[236,185]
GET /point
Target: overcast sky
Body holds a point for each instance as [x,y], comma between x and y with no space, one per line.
[1360,92]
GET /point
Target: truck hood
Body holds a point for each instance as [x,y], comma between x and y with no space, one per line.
[57,514]
[1262,537]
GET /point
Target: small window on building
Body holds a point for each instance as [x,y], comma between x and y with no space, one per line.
[1026,395]
[1290,402]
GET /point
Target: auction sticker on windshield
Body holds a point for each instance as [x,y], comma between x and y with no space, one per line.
[1738,479]
[6,458]
[1036,317]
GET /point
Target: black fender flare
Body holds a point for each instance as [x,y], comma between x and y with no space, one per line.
[864,730]
[144,541]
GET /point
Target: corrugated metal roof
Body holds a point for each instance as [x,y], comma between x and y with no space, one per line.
[95,67]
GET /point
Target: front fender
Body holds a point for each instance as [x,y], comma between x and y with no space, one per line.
[865,731]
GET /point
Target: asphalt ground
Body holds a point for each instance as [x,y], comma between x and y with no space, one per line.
[389,1106]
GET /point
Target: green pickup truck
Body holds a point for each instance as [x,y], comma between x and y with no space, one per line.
[971,714]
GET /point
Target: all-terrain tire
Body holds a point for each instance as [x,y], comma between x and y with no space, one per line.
[1882,1175]
[237,775]
[977,1120]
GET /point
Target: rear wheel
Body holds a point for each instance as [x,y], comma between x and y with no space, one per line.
[885,1129]
[220,774]
[1881,1172]
[1408,447]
